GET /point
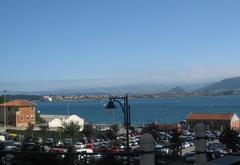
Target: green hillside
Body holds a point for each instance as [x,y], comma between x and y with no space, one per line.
[227,86]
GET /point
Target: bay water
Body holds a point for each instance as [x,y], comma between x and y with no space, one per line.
[163,110]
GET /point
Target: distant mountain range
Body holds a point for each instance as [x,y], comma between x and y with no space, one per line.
[177,90]
[229,86]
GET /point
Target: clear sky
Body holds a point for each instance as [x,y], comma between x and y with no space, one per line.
[109,42]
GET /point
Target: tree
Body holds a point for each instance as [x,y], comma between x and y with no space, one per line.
[116,142]
[39,120]
[43,131]
[112,132]
[229,137]
[29,130]
[71,129]
[89,132]
[152,129]
[1,99]
[176,142]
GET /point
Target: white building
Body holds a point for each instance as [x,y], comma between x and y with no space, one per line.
[56,121]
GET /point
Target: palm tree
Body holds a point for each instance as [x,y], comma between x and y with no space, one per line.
[89,132]
[176,142]
[112,132]
[29,130]
[71,129]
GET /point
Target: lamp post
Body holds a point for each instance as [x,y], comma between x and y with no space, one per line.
[5,109]
[68,108]
[126,112]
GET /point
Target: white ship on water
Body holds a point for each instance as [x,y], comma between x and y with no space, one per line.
[49,98]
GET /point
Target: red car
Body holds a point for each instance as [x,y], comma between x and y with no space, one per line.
[115,149]
[90,146]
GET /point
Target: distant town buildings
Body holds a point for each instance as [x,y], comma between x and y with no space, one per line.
[77,97]
[214,121]
[19,113]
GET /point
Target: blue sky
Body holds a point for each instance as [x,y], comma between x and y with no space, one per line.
[108,42]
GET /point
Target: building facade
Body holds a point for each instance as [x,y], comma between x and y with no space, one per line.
[19,113]
[214,121]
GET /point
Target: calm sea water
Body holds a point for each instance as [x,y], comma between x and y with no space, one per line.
[167,110]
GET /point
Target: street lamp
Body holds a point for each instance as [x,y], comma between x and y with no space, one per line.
[126,112]
[5,110]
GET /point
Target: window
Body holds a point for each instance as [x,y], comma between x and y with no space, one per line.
[31,117]
[27,117]
[22,118]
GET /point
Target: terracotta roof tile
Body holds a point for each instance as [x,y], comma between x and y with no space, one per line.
[18,103]
[210,116]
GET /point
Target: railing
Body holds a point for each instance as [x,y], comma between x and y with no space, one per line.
[96,158]
[41,158]
[51,158]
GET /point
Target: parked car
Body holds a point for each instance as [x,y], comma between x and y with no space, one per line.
[68,141]
[115,149]
[185,145]
[59,143]
[49,141]
[158,147]
[79,145]
[39,140]
[59,150]
[28,146]
[209,134]
[90,146]
[2,138]
[9,145]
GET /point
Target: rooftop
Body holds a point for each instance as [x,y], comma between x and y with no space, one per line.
[210,116]
[18,103]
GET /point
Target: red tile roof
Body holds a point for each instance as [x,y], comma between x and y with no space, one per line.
[210,116]
[18,103]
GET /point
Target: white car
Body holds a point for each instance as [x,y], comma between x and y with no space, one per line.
[185,145]
[2,138]
[59,143]
[79,145]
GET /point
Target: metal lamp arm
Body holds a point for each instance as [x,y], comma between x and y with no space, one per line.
[120,105]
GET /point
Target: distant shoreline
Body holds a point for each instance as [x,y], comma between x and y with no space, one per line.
[102,97]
